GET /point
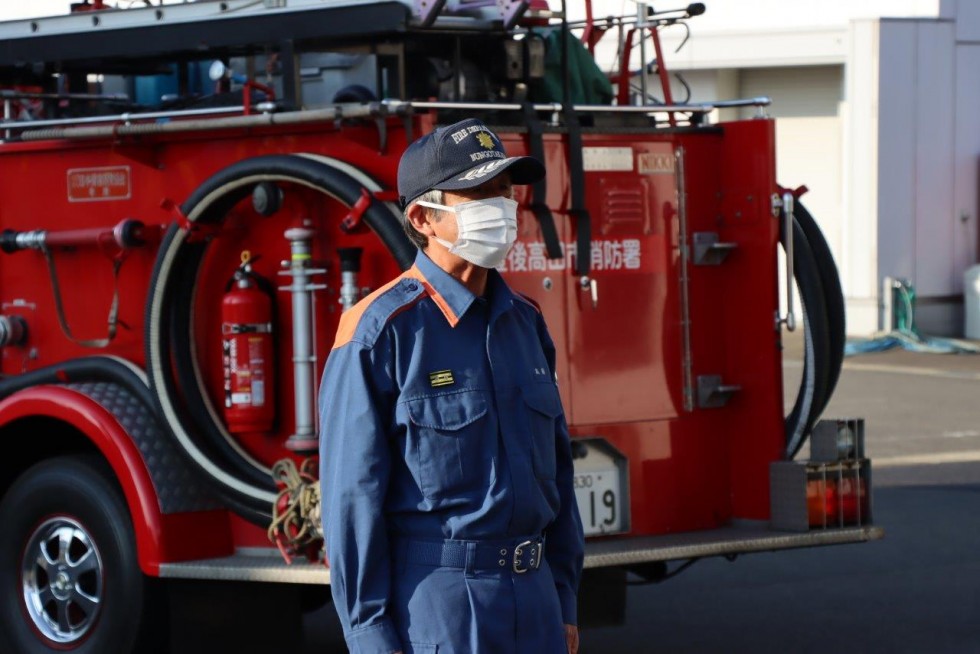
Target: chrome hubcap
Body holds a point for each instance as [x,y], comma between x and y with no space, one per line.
[63,579]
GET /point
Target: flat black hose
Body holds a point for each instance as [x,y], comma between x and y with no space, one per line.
[812,394]
[84,369]
[833,296]
[175,377]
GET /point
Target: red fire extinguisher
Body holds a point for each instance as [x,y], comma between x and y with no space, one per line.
[247,350]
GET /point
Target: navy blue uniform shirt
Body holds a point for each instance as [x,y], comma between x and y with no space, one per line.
[440,418]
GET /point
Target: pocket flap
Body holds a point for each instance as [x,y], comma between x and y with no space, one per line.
[448,412]
[543,398]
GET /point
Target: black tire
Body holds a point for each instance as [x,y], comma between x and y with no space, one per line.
[812,394]
[833,295]
[96,580]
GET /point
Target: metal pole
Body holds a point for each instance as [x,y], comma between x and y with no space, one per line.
[7,115]
[641,24]
[304,438]
[788,208]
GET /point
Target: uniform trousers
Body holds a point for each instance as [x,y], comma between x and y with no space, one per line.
[476,608]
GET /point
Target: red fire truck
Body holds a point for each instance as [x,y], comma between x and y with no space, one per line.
[191,195]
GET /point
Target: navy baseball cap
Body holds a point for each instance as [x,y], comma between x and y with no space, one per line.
[459,156]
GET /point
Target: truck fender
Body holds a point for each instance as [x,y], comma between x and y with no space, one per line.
[101,427]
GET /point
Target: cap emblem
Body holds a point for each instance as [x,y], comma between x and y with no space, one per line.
[485,140]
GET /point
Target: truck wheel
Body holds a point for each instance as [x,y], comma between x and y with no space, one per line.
[69,576]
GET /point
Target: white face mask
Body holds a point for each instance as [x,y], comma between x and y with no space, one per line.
[486,230]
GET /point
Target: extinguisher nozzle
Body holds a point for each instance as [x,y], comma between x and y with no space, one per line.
[350,259]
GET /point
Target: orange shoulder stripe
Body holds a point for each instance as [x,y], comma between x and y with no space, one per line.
[352,317]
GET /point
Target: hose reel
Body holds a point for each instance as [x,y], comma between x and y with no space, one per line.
[177,383]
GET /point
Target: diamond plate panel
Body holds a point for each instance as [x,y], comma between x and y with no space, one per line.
[179,489]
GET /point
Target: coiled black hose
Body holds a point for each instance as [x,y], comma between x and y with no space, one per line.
[175,377]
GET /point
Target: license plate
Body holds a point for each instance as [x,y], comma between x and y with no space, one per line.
[599,501]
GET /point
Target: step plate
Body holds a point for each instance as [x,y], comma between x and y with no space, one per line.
[717,542]
[269,566]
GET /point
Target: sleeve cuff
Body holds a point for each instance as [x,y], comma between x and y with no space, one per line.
[569,606]
[378,638]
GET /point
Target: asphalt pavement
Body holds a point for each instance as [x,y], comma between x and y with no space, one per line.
[919,409]
[917,590]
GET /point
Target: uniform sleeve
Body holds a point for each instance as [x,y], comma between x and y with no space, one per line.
[355,465]
[564,539]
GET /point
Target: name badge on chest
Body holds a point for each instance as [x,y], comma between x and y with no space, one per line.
[441,378]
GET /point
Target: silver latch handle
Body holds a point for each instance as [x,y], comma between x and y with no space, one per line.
[790,319]
[589,284]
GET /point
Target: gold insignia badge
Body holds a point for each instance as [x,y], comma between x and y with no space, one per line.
[441,378]
[485,140]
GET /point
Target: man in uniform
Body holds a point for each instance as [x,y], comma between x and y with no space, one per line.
[449,513]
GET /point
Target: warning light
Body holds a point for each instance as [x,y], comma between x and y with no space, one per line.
[807,495]
[821,502]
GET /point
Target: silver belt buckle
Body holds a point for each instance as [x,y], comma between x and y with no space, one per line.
[534,556]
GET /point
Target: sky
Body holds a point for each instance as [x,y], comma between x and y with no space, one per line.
[16,9]
[13,10]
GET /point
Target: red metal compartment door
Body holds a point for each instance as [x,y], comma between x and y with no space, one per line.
[528,269]
[624,334]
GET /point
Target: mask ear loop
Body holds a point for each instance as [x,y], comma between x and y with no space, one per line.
[433,205]
[441,207]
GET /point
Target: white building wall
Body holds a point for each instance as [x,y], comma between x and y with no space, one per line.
[896,117]
[918,224]
[935,103]
[806,105]
[767,16]
[859,239]
[967,154]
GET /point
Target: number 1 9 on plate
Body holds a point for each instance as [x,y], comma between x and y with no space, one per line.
[598,498]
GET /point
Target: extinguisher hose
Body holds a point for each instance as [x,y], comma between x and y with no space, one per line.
[820,292]
[177,383]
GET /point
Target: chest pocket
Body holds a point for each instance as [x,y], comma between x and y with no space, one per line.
[544,407]
[449,433]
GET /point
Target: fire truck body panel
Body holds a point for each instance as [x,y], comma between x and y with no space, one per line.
[632,374]
[123,237]
[626,384]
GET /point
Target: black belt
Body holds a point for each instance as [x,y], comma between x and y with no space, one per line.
[518,555]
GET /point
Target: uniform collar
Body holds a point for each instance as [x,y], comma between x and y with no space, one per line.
[452,297]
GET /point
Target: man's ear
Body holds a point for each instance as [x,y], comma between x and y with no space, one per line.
[417,217]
